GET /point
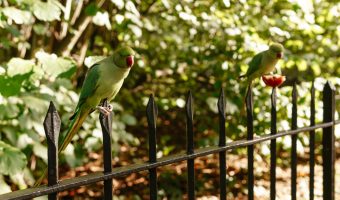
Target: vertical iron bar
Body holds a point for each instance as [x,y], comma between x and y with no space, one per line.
[328,143]
[52,128]
[250,149]
[294,141]
[151,113]
[273,147]
[221,104]
[190,146]
[312,144]
[106,124]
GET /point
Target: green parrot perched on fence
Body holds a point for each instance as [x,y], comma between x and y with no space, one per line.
[102,82]
[263,62]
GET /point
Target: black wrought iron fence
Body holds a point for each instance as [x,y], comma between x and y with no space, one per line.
[52,127]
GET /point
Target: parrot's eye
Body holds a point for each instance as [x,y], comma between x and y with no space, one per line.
[129,61]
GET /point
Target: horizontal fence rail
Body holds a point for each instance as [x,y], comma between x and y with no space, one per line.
[126,170]
[52,127]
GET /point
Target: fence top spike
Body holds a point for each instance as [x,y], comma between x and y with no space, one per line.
[329,86]
[273,96]
[312,87]
[249,98]
[52,123]
[294,92]
[151,109]
[189,105]
[221,103]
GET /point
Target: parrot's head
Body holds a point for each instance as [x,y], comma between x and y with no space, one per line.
[277,50]
[123,57]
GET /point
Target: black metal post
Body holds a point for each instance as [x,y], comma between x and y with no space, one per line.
[312,144]
[328,143]
[106,124]
[151,113]
[221,104]
[273,146]
[52,128]
[250,149]
[294,141]
[190,146]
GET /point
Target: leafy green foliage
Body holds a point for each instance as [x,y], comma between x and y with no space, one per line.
[47,11]
[46,48]
[12,160]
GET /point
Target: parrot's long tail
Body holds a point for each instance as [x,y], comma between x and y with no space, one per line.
[77,121]
[41,178]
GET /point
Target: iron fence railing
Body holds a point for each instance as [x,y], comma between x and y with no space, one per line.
[52,128]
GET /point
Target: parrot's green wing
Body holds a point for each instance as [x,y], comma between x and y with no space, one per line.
[89,86]
[254,64]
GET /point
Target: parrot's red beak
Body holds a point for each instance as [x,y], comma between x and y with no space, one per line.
[129,61]
[279,55]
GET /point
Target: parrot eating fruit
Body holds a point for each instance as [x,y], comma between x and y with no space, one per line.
[261,64]
[264,62]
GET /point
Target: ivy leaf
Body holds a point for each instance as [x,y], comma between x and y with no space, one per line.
[54,65]
[4,187]
[101,19]
[47,11]
[40,151]
[18,16]
[212,103]
[19,66]
[11,86]
[12,160]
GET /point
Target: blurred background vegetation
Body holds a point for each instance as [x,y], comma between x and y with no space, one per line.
[46,48]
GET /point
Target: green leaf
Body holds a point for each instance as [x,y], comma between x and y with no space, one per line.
[19,180]
[40,151]
[91,9]
[34,103]
[67,74]
[54,65]
[18,16]
[118,3]
[19,66]
[212,103]
[11,86]
[40,29]
[4,188]
[47,11]
[12,160]
[71,156]
[129,119]
[102,19]
[12,30]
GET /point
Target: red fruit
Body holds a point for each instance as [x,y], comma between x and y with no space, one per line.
[273,80]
